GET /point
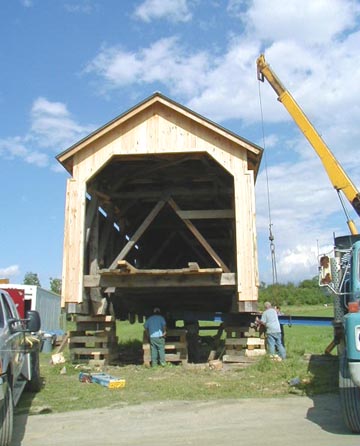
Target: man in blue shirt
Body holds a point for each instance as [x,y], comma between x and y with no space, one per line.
[271,322]
[155,327]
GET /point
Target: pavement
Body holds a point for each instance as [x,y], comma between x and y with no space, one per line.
[271,421]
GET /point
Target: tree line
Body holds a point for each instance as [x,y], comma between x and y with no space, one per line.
[307,292]
[31,278]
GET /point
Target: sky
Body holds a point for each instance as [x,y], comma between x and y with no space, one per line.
[70,66]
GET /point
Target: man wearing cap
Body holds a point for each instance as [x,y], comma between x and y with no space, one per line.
[270,320]
[155,327]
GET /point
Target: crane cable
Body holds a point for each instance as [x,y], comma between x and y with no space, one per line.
[271,235]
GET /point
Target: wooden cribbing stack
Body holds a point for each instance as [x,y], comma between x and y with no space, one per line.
[94,339]
[243,345]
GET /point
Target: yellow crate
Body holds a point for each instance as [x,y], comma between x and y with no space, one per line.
[117,384]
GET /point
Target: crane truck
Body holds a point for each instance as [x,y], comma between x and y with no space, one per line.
[340,270]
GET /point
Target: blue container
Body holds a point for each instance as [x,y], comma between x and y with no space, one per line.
[47,345]
[352,333]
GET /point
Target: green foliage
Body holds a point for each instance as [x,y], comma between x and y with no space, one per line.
[307,292]
[55,285]
[31,278]
[310,283]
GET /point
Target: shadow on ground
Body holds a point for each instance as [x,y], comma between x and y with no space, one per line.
[326,411]
[21,414]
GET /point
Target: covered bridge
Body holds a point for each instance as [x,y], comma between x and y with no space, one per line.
[160,211]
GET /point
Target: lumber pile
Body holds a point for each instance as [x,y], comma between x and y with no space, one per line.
[242,345]
[94,339]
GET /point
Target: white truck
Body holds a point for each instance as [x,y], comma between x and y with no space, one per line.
[19,361]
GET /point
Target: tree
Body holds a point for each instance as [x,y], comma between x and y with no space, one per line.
[31,279]
[307,292]
[310,283]
[55,285]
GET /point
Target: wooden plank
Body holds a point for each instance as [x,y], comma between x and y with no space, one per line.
[177,271]
[200,238]
[107,234]
[92,339]
[172,357]
[73,247]
[245,341]
[193,266]
[126,267]
[206,214]
[175,345]
[91,351]
[91,213]
[142,228]
[171,191]
[100,318]
[255,353]
[62,344]
[237,359]
[162,280]
[239,332]
[246,244]
[98,333]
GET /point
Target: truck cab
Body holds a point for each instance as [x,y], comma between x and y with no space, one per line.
[19,360]
[340,273]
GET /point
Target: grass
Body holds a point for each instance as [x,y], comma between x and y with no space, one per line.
[265,378]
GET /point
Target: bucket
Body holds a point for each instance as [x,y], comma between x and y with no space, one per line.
[47,344]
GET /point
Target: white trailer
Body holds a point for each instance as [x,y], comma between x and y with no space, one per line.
[47,303]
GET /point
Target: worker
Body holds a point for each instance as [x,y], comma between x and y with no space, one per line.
[280,313]
[269,319]
[155,327]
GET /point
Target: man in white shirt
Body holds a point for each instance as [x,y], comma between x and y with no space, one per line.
[271,323]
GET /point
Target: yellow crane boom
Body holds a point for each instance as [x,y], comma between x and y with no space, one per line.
[336,173]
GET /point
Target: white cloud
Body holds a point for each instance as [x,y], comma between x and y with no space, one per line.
[164,61]
[172,10]
[309,22]
[52,129]
[52,125]
[9,272]
[297,263]
[37,158]
[304,42]
[304,211]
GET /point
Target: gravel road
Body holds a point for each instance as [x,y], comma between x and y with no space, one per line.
[273,422]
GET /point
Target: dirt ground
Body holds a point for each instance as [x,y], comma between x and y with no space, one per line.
[279,422]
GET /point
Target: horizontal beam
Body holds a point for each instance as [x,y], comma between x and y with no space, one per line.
[171,191]
[306,320]
[206,214]
[170,279]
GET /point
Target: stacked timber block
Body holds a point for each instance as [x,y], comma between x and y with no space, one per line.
[242,345]
[94,339]
[175,346]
